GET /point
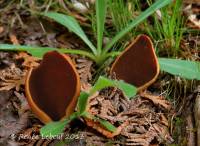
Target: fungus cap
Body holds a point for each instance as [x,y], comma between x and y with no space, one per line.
[53,87]
[138,64]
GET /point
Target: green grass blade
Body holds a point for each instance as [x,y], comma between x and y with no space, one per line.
[101,15]
[128,90]
[82,102]
[72,25]
[107,125]
[157,5]
[53,129]
[182,68]
[33,50]
[40,51]
[104,123]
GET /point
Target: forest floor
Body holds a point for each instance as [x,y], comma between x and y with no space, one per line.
[171,115]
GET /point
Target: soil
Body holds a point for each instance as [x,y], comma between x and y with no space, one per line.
[148,119]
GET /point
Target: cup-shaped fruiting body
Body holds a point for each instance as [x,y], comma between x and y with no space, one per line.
[138,64]
[53,87]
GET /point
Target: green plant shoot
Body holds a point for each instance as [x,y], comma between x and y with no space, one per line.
[98,54]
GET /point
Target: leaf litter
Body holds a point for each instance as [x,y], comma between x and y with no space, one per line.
[140,121]
[147,114]
[192,10]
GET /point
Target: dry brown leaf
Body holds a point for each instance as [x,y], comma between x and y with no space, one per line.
[1,29]
[10,84]
[146,137]
[192,10]
[10,122]
[12,77]
[164,120]
[24,106]
[14,39]
[84,67]
[162,133]
[102,130]
[92,139]
[28,61]
[157,100]
[143,139]
[195,21]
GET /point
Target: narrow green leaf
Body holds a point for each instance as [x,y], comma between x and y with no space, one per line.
[82,102]
[157,5]
[107,125]
[34,51]
[182,68]
[101,15]
[103,122]
[53,129]
[87,115]
[128,90]
[40,51]
[72,25]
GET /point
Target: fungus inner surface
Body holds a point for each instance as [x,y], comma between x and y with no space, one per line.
[138,64]
[53,85]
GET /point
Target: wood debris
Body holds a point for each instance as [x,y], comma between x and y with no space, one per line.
[1,29]
[93,139]
[28,61]
[157,100]
[11,122]
[12,77]
[24,106]
[6,59]
[85,69]
[14,39]
[197,114]
[192,11]
[140,121]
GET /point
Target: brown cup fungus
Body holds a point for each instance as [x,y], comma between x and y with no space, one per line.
[138,64]
[53,87]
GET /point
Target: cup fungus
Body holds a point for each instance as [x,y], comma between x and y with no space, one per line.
[53,87]
[138,64]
